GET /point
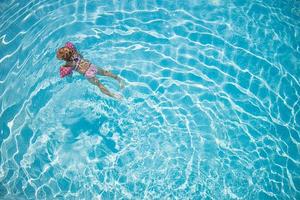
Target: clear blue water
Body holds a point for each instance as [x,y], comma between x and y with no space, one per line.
[210,110]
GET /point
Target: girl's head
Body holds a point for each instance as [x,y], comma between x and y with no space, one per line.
[64,53]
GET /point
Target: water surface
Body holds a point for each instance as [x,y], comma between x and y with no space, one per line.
[210,110]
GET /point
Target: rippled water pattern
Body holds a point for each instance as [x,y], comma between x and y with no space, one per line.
[210,110]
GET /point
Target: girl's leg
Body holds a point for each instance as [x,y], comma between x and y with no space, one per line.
[103,72]
[103,89]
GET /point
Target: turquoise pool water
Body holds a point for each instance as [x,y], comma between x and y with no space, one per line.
[210,109]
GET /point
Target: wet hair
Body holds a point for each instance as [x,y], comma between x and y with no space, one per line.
[65,53]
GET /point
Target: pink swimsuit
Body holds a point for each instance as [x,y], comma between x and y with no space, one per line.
[91,72]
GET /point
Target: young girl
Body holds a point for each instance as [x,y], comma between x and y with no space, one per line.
[74,61]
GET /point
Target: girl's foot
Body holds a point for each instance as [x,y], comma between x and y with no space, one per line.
[122,83]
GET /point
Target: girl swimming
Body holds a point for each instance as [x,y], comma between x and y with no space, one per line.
[74,61]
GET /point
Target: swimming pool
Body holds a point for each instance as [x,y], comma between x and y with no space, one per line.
[210,109]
